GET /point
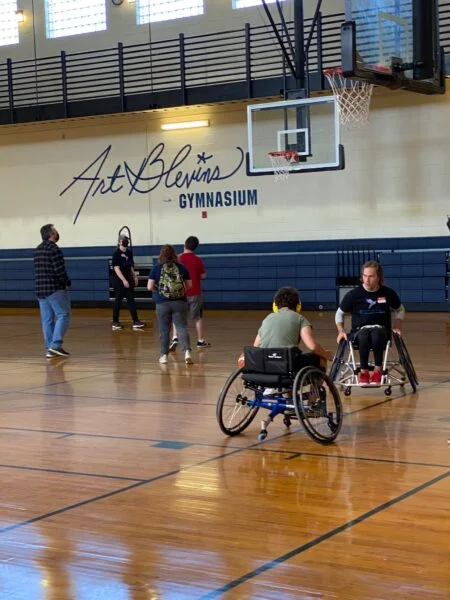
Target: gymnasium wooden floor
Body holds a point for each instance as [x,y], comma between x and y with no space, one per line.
[117,483]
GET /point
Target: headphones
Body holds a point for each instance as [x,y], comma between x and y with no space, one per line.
[298,308]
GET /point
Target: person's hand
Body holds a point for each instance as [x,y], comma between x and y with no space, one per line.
[397,331]
[341,336]
[126,284]
[329,355]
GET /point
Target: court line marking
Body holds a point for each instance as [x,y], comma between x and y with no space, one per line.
[64,472]
[252,447]
[140,483]
[320,539]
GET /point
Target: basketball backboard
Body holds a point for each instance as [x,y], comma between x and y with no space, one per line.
[308,126]
[394,43]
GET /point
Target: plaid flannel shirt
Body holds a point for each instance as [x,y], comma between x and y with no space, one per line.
[49,269]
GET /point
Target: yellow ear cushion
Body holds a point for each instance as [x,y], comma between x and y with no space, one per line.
[298,308]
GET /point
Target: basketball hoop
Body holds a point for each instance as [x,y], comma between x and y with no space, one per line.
[281,161]
[353,97]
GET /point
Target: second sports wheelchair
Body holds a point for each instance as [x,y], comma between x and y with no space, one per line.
[345,369]
[273,379]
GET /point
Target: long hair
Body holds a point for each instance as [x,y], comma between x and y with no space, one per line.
[287,297]
[373,264]
[168,254]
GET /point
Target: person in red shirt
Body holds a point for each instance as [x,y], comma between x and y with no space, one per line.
[197,272]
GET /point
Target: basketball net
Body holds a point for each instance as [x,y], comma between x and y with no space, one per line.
[281,163]
[353,98]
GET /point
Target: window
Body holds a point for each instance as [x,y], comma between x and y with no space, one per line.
[249,3]
[152,11]
[66,17]
[9,27]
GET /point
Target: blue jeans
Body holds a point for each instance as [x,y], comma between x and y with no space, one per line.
[173,311]
[55,318]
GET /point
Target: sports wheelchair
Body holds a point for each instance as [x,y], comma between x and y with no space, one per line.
[272,378]
[345,369]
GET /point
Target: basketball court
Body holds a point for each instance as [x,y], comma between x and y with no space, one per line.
[120,483]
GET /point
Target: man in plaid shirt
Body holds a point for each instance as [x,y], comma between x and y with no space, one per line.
[52,285]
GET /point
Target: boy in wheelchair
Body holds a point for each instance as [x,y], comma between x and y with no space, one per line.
[285,328]
[370,306]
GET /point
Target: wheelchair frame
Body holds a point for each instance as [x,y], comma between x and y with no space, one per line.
[345,371]
[294,403]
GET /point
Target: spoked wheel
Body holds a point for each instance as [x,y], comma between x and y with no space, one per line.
[233,412]
[317,404]
[338,360]
[405,361]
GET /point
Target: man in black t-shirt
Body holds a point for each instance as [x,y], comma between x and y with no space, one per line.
[124,280]
[370,304]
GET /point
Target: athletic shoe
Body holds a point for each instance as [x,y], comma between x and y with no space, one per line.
[173,344]
[48,354]
[203,344]
[58,352]
[364,378]
[138,325]
[376,377]
[188,358]
[163,359]
[116,325]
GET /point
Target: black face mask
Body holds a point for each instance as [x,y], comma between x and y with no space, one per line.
[124,242]
[57,237]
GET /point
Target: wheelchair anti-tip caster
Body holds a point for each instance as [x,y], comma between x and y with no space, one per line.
[262,435]
[388,391]
[347,391]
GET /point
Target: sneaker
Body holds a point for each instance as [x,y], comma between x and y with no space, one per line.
[48,354]
[364,377]
[138,325]
[270,392]
[203,344]
[116,325]
[376,377]
[163,359]
[173,344]
[58,352]
[188,358]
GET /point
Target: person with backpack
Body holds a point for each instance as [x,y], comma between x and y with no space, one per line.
[169,281]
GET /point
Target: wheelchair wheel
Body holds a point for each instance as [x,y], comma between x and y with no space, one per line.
[338,360]
[405,361]
[232,412]
[317,405]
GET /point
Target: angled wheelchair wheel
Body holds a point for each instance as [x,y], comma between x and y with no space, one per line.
[233,412]
[317,405]
[405,361]
[338,360]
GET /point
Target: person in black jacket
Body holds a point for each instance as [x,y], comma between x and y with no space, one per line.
[52,285]
[124,280]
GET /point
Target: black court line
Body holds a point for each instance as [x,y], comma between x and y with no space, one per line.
[119,491]
[252,447]
[321,538]
[64,472]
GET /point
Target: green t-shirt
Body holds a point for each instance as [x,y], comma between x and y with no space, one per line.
[282,329]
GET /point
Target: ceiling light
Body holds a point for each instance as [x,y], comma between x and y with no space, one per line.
[184,125]
[20,17]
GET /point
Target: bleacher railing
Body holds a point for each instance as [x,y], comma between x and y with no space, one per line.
[180,64]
